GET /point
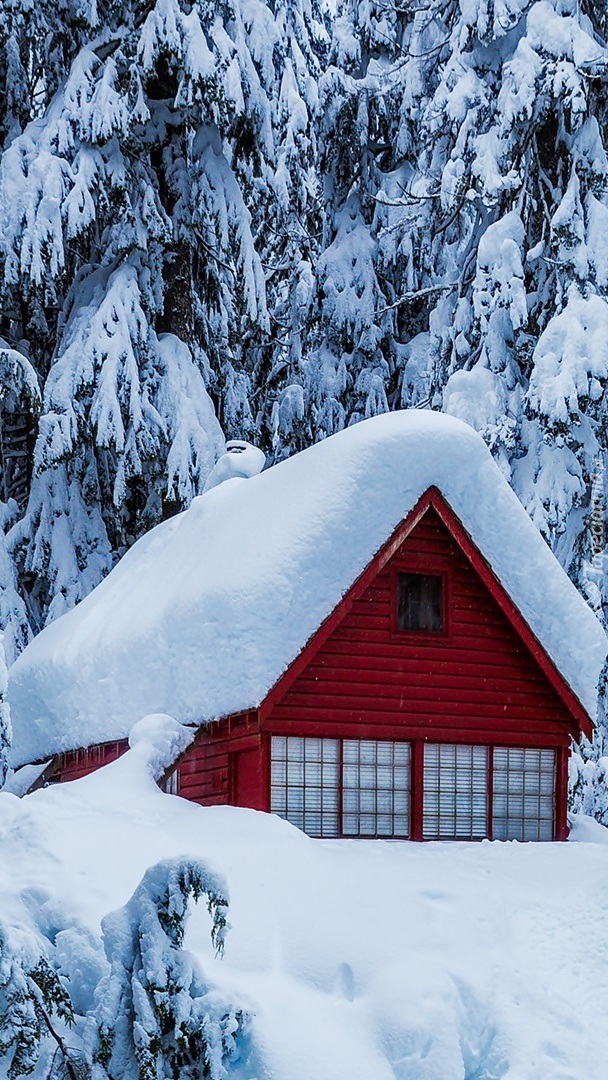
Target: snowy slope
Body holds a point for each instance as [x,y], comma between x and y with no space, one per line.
[204,614]
[358,960]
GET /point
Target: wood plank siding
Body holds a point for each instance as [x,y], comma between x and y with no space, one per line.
[73,764]
[475,681]
[224,765]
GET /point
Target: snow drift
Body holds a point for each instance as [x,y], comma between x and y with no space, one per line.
[355,960]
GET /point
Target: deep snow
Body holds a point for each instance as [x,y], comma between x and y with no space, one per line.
[358,960]
[203,614]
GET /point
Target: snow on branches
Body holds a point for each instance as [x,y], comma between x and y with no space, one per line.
[155,1015]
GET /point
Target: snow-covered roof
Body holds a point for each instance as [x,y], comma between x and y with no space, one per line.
[202,616]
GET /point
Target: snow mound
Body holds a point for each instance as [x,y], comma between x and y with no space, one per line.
[159,740]
[22,781]
[356,960]
[203,615]
[241,459]
[585,829]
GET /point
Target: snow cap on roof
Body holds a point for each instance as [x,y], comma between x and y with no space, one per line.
[202,616]
[240,459]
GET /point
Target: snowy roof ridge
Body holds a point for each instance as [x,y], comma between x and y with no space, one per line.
[205,613]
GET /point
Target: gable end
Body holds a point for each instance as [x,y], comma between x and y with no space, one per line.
[433,500]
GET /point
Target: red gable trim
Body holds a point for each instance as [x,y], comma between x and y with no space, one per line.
[519,624]
[433,498]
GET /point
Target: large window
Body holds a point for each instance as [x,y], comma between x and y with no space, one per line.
[523,798]
[305,783]
[375,788]
[364,787]
[353,788]
[455,792]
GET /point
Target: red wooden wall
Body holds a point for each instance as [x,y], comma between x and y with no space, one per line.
[224,766]
[76,763]
[475,682]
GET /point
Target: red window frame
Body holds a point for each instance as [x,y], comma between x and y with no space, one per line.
[278,788]
[416,786]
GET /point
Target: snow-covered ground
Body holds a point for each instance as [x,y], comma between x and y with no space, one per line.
[360,960]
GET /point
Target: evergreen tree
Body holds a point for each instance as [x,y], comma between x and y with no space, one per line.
[476,165]
[291,228]
[130,275]
[345,324]
[158,202]
[36,1014]
[147,1014]
[156,1017]
[5,717]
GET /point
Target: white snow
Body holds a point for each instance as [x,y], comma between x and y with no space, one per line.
[356,960]
[241,459]
[204,613]
[160,740]
[20,782]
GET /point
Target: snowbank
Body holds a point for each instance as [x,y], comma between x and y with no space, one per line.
[358,960]
[204,613]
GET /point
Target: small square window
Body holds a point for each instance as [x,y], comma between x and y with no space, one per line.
[420,602]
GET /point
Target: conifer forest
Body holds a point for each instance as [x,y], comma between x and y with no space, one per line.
[268,220]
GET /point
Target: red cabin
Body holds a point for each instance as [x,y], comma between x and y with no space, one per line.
[424,705]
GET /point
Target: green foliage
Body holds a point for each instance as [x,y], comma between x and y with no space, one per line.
[32,1000]
[155,1016]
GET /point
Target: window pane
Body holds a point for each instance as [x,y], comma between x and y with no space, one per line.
[523,807]
[171,785]
[304,783]
[455,798]
[376,788]
[279,744]
[420,602]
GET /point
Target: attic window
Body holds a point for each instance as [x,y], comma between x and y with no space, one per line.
[420,602]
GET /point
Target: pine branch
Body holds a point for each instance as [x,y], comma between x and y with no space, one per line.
[412,297]
[211,252]
[409,198]
[37,995]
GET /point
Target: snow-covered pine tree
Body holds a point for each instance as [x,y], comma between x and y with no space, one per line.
[5,716]
[36,1014]
[291,229]
[130,270]
[347,335]
[476,132]
[156,1016]
[159,216]
[19,409]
